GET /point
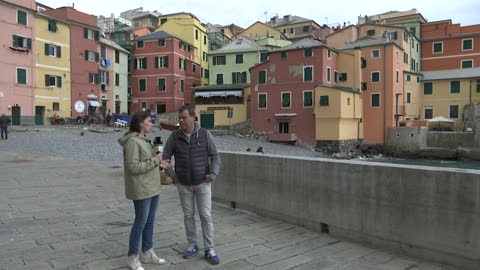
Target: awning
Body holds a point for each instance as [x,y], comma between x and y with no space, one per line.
[94,103]
[219,93]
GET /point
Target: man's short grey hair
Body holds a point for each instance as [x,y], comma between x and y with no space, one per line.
[190,110]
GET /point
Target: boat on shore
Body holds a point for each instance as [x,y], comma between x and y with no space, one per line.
[169,125]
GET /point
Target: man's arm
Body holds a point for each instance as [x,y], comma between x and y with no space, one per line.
[213,155]
[167,154]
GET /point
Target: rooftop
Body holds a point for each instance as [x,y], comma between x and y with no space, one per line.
[463,73]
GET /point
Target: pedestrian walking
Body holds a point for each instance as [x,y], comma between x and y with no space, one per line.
[108,118]
[4,122]
[142,185]
[197,164]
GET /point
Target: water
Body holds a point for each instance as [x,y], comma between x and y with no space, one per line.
[463,164]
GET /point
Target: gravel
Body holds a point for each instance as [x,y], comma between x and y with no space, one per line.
[102,146]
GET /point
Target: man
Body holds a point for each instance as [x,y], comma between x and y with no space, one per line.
[197,164]
[4,122]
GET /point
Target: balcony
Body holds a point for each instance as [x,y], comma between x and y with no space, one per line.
[282,137]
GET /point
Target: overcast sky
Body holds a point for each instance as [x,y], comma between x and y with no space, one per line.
[246,12]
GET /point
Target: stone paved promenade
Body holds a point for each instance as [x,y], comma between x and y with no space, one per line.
[67,214]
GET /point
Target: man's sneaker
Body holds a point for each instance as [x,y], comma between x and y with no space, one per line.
[191,251]
[211,256]
[134,263]
[150,257]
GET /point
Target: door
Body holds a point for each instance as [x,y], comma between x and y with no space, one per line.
[16,115]
[207,120]
[39,113]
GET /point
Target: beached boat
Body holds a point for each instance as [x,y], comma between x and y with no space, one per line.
[169,125]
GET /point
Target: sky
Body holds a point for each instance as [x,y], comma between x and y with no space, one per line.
[246,12]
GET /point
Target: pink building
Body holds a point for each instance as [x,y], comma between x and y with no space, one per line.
[91,75]
[17,60]
[163,73]
[282,90]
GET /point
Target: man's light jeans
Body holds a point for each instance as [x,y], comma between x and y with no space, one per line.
[202,194]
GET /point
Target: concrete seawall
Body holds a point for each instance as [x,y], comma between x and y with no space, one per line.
[427,212]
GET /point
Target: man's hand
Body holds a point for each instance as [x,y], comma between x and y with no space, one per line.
[208,179]
[176,180]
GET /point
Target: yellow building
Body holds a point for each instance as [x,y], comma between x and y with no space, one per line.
[52,67]
[338,108]
[213,103]
[260,30]
[447,92]
[413,97]
[188,27]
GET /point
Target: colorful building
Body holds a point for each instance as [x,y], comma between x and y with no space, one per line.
[163,73]
[283,87]
[191,30]
[52,67]
[17,60]
[296,28]
[89,79]
[260,30]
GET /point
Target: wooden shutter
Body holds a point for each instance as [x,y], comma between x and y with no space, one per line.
[59,82]
[29,43]
[47,49]
[145,63]
[15,41]
[59,52]
[97,57]
[97,35]
[86,55]
[47,80]
[85,32]
[156,61]
[165,61]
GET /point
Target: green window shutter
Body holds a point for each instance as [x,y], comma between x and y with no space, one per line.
[307,76]
[22,17]
[29,43]
[156,61]
[21,76]
[85,33]
[135,61]
[262,101]
[262,76]
[165,61]
[97,57]
[234,77]
[323,100]
[15,41]
[47,49]
[59,52]
[97,78]
[86,55]
[286,100]
[47,80]
[307,98]
[145,63]
[142,85]
[427,88]
[108,78]
[97,35]
[59,82]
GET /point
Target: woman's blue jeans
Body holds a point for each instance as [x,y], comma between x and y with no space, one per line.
[143,226]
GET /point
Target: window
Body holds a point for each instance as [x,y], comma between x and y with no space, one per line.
[21,17]
[478,86]
[371,32]
[182,46]
[56,106]
[453,111]
[323,100]
[364,86]
[307,99]
[408,77]
[418,79]
[306,28]
[90,34]
[308,74]
[104,78]
[196,34]
[163,20]
[161,43]
[144,104]
[142,83]
[396,78]
[52,81]
[117,57]
[239,58]
[92,56]
[342,77]
[329,74]
[205,40]
[283,127]
[413,30]
[161,84]
[428,88]
[329,54]
[308,52]
[141,63]
[375,100]
[21,76]
[117,79]
[427,112]
[93,78]
[409,98]
[182,64]
[52,26]
[375,54]
[161,61]
[467,44]
[364,62]
[263,56]
[467,63]
[52,50]
[283,55]
[376,76]
[103,51]
[140,44]
[437,47]
[194,68]
[219,79]
[219,60]
[239,77]
[182,85]
[22,42]
[286,96]
[454,87]
[262,76]
[205,57]
[262,101]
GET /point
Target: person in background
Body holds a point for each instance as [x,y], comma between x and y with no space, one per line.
[4,122]
[108,118]
[142,185]
[260,149]
[197,164]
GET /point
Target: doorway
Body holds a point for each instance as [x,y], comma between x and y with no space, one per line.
[39,115]
[16,115]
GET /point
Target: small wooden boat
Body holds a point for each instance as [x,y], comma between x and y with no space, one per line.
[169,125]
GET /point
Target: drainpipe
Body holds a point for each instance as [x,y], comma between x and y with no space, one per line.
[384,94]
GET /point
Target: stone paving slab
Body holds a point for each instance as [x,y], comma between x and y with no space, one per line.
[57,213]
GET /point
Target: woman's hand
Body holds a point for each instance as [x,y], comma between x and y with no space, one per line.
[165,164]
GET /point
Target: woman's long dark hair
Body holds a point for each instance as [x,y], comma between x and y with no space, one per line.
[137,119]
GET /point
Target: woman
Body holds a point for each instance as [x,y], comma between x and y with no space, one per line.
[142,185]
